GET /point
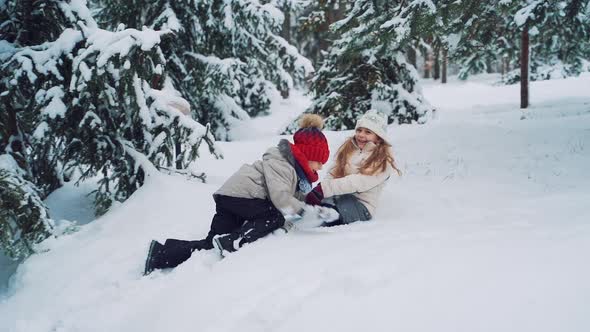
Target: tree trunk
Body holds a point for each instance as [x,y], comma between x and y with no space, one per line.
[437,64]
[13,137]
[324,36]
[412,56]
[427,64]
[25,35]
[178,148]
[489,65]
[524,67]
[444,66]
[285,94]
[286,32]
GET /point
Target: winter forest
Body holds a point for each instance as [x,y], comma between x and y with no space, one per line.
[105,95]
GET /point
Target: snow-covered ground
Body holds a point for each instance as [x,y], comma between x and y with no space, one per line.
[488,229]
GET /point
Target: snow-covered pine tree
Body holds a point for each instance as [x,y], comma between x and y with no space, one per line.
[442,36]
[291,10]
[486,32]
[28,35]
[314,37]
[366,67]
[559,33]
[226,57]
[31,27]
[481,35]
[292,34]
[83,102]
[119,124]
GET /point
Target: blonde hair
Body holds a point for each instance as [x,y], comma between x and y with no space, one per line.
[376,163]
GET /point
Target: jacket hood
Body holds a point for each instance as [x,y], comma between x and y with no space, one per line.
[285,150]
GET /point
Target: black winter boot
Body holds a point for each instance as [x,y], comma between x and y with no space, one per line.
[223,245]
[153,260]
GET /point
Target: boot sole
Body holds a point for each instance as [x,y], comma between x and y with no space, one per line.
[218,247]
[147,270]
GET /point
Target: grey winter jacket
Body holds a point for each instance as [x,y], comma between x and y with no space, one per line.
[366,188]
[274,177]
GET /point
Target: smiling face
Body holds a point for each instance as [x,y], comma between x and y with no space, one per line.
[362,136]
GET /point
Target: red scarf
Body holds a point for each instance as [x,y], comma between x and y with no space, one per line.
[301,159]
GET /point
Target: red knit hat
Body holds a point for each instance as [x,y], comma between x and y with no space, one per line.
[310,140]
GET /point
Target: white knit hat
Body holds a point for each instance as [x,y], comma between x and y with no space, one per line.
[375,122]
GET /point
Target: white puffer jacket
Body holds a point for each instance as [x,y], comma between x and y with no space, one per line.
[367,188]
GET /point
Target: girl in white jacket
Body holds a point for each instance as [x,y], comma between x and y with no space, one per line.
[363,165]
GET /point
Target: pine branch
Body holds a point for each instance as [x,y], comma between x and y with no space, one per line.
[201,176]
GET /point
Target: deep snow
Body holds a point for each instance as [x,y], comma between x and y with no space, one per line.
[488,229]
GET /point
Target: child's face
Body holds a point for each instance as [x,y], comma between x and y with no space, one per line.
[315,165]
[363,136]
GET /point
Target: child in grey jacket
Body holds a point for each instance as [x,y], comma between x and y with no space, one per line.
[253,201]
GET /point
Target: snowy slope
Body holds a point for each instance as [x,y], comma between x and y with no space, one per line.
[488,229]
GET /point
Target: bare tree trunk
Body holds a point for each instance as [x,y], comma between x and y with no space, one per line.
[489,65]
[427,64]
[12,139]
[178,149]
[324,36]
[524,67]
[412,56]
[437,64]
[286,32]
[25,36]
[444,66]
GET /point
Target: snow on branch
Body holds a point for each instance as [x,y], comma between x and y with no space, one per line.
[223,65]
[301,63]
[526,13]
[140,159]
[167,20]
[76,10]
[109,44]
[43,59]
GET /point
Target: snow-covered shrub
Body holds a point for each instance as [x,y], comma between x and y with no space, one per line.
[77,102]
[23,217]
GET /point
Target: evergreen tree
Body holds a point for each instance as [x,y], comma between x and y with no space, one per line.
[482,35]
[487,32]
[314,36]
[292,11]
[82,102]
[366,67]
[292,34]
[226,57]
[119,124]
[559,33]
[28,37]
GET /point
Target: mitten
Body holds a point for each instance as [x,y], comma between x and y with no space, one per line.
[315,215]
[315,196]
[327,214]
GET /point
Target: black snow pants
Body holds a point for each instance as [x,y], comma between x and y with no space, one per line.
[241,220]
